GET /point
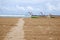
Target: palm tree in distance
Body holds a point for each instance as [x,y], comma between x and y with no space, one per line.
[30,13]
[41,13]
[50,15]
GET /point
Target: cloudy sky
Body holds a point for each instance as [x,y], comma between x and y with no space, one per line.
[8,7]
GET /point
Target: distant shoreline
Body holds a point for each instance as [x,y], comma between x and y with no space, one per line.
[22,16]
[14,16]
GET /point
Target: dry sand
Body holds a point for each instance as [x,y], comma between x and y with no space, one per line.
[30,28]
[16,32]
[42,28]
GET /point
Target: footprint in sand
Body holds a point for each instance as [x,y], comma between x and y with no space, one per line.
[17,32]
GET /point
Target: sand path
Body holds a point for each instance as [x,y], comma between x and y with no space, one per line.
[17,32]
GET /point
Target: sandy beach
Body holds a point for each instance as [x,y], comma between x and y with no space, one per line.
[30,28]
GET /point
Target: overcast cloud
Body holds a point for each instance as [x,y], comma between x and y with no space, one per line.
[23,6]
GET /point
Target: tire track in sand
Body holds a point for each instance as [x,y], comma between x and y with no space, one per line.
[17,32]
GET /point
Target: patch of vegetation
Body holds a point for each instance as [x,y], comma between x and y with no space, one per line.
[34,16]
[52,17]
